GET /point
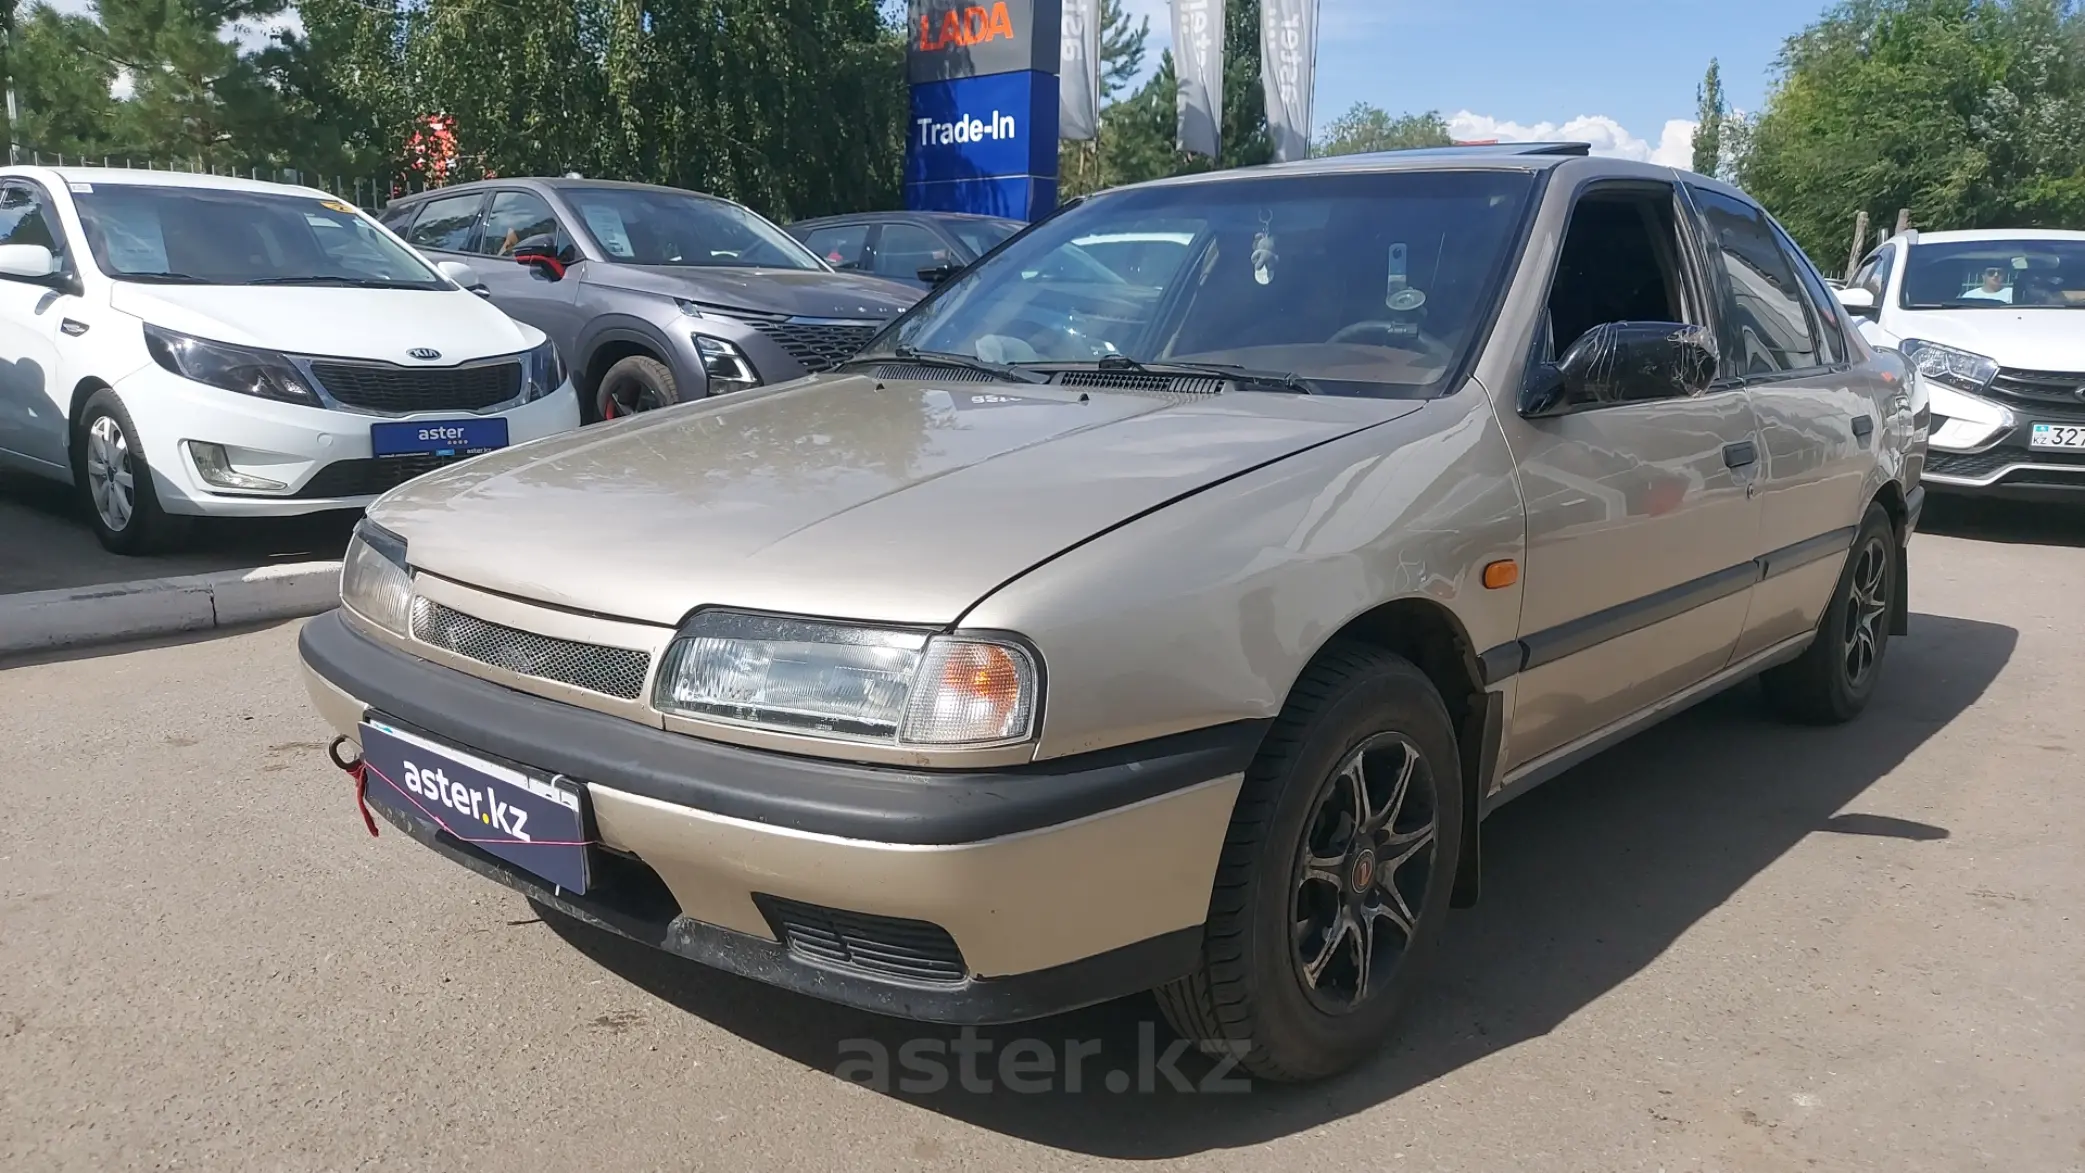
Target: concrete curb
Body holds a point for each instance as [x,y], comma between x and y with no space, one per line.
[78,616]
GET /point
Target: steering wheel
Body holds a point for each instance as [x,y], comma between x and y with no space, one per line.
[1399,340]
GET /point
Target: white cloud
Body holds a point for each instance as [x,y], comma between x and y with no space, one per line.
[1674,148]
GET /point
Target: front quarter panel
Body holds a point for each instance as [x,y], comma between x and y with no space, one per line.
[1206,611]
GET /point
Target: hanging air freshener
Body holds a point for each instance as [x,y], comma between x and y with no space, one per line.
[1263,254]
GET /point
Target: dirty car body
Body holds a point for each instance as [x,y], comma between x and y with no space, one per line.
[1090,634]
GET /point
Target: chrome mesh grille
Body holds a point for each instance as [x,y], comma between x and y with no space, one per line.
[616,672]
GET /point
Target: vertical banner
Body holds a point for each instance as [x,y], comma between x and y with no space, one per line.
[1288,68]
[1078,79]
[985,106]
[1198,62]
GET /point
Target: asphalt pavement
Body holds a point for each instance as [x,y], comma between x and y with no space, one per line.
[1728,945]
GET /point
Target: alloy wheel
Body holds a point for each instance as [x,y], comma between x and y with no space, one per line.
[1362,872]
[628,399]
[1866,610]
[111,481]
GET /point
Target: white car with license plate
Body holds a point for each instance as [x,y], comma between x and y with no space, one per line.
[1994,321]
[185,345]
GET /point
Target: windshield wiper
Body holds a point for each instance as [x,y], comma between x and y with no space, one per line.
[345,282]
[944,358]
[166,278]
[1286,380]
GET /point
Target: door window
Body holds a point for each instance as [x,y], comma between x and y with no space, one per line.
[842,245]
[1767,328]
[445,224]
[1621,262]
[397,217]
[24,219]
[515,216]
[1824,308]
[902,250]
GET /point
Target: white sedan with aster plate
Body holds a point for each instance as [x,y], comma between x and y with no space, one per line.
[182,345]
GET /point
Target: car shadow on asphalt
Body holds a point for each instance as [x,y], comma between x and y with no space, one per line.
[1587,881]
[2011,522]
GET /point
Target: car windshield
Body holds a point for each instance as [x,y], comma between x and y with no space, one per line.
[224,236]
[1995,274]
[982,236]
[644,227]
[1360,284]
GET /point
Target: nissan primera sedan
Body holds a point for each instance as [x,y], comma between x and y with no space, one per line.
[1088,635]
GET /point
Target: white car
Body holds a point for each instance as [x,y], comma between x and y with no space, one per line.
[182,345]
[1994,321]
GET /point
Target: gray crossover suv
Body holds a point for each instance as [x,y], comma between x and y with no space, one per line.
[1092,633]
[653,295]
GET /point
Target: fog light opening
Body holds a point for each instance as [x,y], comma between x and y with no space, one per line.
[215,467]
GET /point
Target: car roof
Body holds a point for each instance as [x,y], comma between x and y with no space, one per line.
[1969,235]
[130,177]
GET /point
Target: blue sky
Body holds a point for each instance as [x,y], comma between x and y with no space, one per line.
[1621,73]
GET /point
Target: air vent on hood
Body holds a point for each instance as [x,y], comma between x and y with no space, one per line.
[922,373]
[1134,381]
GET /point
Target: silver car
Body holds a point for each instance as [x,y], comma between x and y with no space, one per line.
[1095,632]
[654,295]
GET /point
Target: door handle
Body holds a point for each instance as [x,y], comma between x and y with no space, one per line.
[1743,454]
[1863,427]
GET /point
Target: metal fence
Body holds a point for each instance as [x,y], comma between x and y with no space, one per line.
[370,193]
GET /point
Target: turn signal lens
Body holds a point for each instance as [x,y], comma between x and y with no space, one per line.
[1503,573]
[969,692]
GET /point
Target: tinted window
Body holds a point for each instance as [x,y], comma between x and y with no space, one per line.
[445,224]
[514,217]
[902,250]
[397,216]
[23,219]
[647,226]
[1364,284]
[218,236]
[841,245]
[1995,274]
[1823,305]
[982,236]
[1769,328]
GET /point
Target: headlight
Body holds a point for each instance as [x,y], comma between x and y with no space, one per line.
[728,367]
[264,373]
[1948,366]
[851,683]
[374,582]
[545,372]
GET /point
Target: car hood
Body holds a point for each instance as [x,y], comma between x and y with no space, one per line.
[796,292]
[2047,339]
[897,502]
[380,324]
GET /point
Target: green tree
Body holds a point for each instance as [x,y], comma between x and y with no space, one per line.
[1365,128]
[1708,125]
[196,96]
[1969,112]
[1083,167]
[62,77]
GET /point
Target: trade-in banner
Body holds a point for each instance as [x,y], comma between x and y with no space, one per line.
[1198,63]
[1288,68]
[1078,78]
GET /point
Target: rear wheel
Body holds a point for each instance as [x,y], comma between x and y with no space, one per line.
[637,383]
[1335,875]
[115,483]
[1832,680]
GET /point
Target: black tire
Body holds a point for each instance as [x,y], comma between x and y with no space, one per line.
[637,383]
[105,450]
[1253,995]
[1830,683]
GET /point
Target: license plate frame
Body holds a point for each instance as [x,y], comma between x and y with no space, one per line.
[476,800]
[2057,437]
[449,437]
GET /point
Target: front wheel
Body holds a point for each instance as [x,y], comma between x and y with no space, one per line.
[1335,876]
[637,383]
[115,483]
[1830,683]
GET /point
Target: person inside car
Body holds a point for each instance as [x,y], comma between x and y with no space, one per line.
[1993,288]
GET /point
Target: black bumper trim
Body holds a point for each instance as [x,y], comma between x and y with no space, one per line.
[883,804]
[1117,973]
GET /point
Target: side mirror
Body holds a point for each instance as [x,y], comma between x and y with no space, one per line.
[1624,362]
[542,254]
[1857,301]
[465,276]
[28,262]
[936,274]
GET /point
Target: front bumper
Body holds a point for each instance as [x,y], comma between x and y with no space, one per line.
[321,455]
[1056,884]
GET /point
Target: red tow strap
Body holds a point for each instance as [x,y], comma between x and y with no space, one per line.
[359,771]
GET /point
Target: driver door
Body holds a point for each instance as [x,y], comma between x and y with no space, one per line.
[531,293]
[1641,516]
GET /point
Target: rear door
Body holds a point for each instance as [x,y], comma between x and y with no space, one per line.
[1785,341]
